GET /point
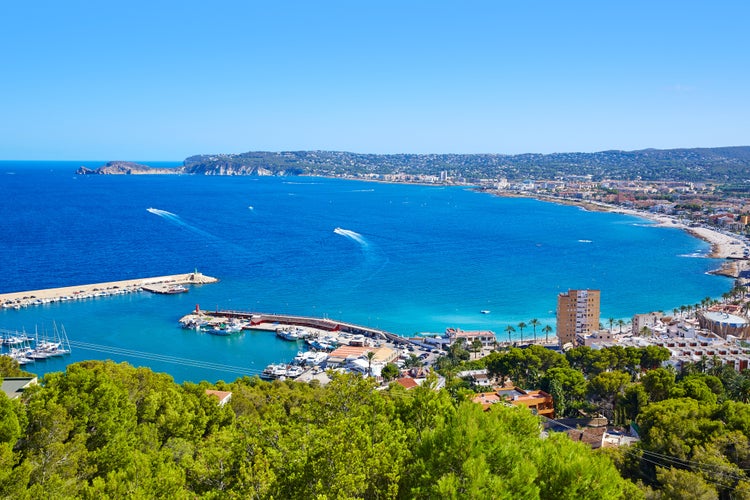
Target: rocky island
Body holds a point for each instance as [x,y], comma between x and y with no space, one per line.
[125,168]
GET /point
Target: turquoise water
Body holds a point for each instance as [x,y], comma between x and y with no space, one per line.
[406,259]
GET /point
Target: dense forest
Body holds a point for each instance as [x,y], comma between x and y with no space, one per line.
[694,423]
[106,430]
[729,165]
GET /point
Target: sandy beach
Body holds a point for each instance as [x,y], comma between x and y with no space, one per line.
[723,245]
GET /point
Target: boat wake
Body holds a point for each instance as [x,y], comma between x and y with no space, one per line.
[176,220]
[584,241]
[160,213]
[351,235]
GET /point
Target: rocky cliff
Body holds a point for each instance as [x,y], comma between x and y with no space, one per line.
[127,168]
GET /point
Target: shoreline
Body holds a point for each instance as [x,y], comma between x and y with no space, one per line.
[723,246]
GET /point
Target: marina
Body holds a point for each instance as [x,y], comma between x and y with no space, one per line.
[289,325]
[25,348]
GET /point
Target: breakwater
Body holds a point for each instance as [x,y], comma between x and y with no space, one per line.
[18,300]
[267,321]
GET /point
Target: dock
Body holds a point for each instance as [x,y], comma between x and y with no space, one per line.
[37,297]
[267,321]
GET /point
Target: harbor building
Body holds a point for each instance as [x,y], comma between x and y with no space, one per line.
[577,314]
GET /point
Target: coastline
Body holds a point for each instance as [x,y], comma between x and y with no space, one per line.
[723,246]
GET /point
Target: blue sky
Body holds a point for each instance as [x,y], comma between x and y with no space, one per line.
[165,80]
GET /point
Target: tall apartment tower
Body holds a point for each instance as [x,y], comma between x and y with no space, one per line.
[577,314]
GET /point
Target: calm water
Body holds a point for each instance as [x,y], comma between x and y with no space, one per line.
[409,259]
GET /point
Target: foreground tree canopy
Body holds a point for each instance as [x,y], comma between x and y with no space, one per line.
[105,430]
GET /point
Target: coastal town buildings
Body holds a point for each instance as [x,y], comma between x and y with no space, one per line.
[486,337]
[688,339]
[724,323]
[649,321]
[577,314]
[539,402]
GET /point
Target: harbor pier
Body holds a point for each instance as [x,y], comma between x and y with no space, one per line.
[265,321]
[156,284]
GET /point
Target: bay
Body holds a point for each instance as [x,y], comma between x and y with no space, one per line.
[406,259]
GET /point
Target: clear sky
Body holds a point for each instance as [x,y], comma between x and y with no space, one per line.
[163,80]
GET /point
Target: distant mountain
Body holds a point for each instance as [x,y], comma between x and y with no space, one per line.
[722,165]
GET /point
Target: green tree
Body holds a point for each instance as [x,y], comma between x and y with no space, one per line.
[370,355]
[606,388]
[9,367]
[658,383]
[554,388]
[521,326]
[546,330]
[678,484]
[653,356]
[573,388]
[534,323]
[694,387]
[509,329]
[389,372]
[476,346]
[620,323]
[633,399]
[414,362]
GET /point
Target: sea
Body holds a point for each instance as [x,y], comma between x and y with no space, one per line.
[404,258]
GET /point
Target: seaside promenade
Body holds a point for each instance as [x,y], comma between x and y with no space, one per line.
[37,297]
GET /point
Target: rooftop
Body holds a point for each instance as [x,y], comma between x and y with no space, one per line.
[722,317]
[13,386]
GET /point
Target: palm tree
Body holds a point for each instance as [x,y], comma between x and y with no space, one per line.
[476,346]
[645,331]
[547,329]
[510,330]
[675,311]
[610,321]
[682,310]
[534,323]
[620,323]
[370,355]
[521,326]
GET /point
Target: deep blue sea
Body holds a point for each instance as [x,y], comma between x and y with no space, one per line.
[410,259]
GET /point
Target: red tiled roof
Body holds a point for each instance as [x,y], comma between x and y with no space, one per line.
[223,396]
[407,382]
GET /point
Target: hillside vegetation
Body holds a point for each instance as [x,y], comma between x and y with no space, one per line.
[721,165]
[105,430]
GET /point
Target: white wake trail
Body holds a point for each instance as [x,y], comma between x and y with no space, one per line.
[351,235]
